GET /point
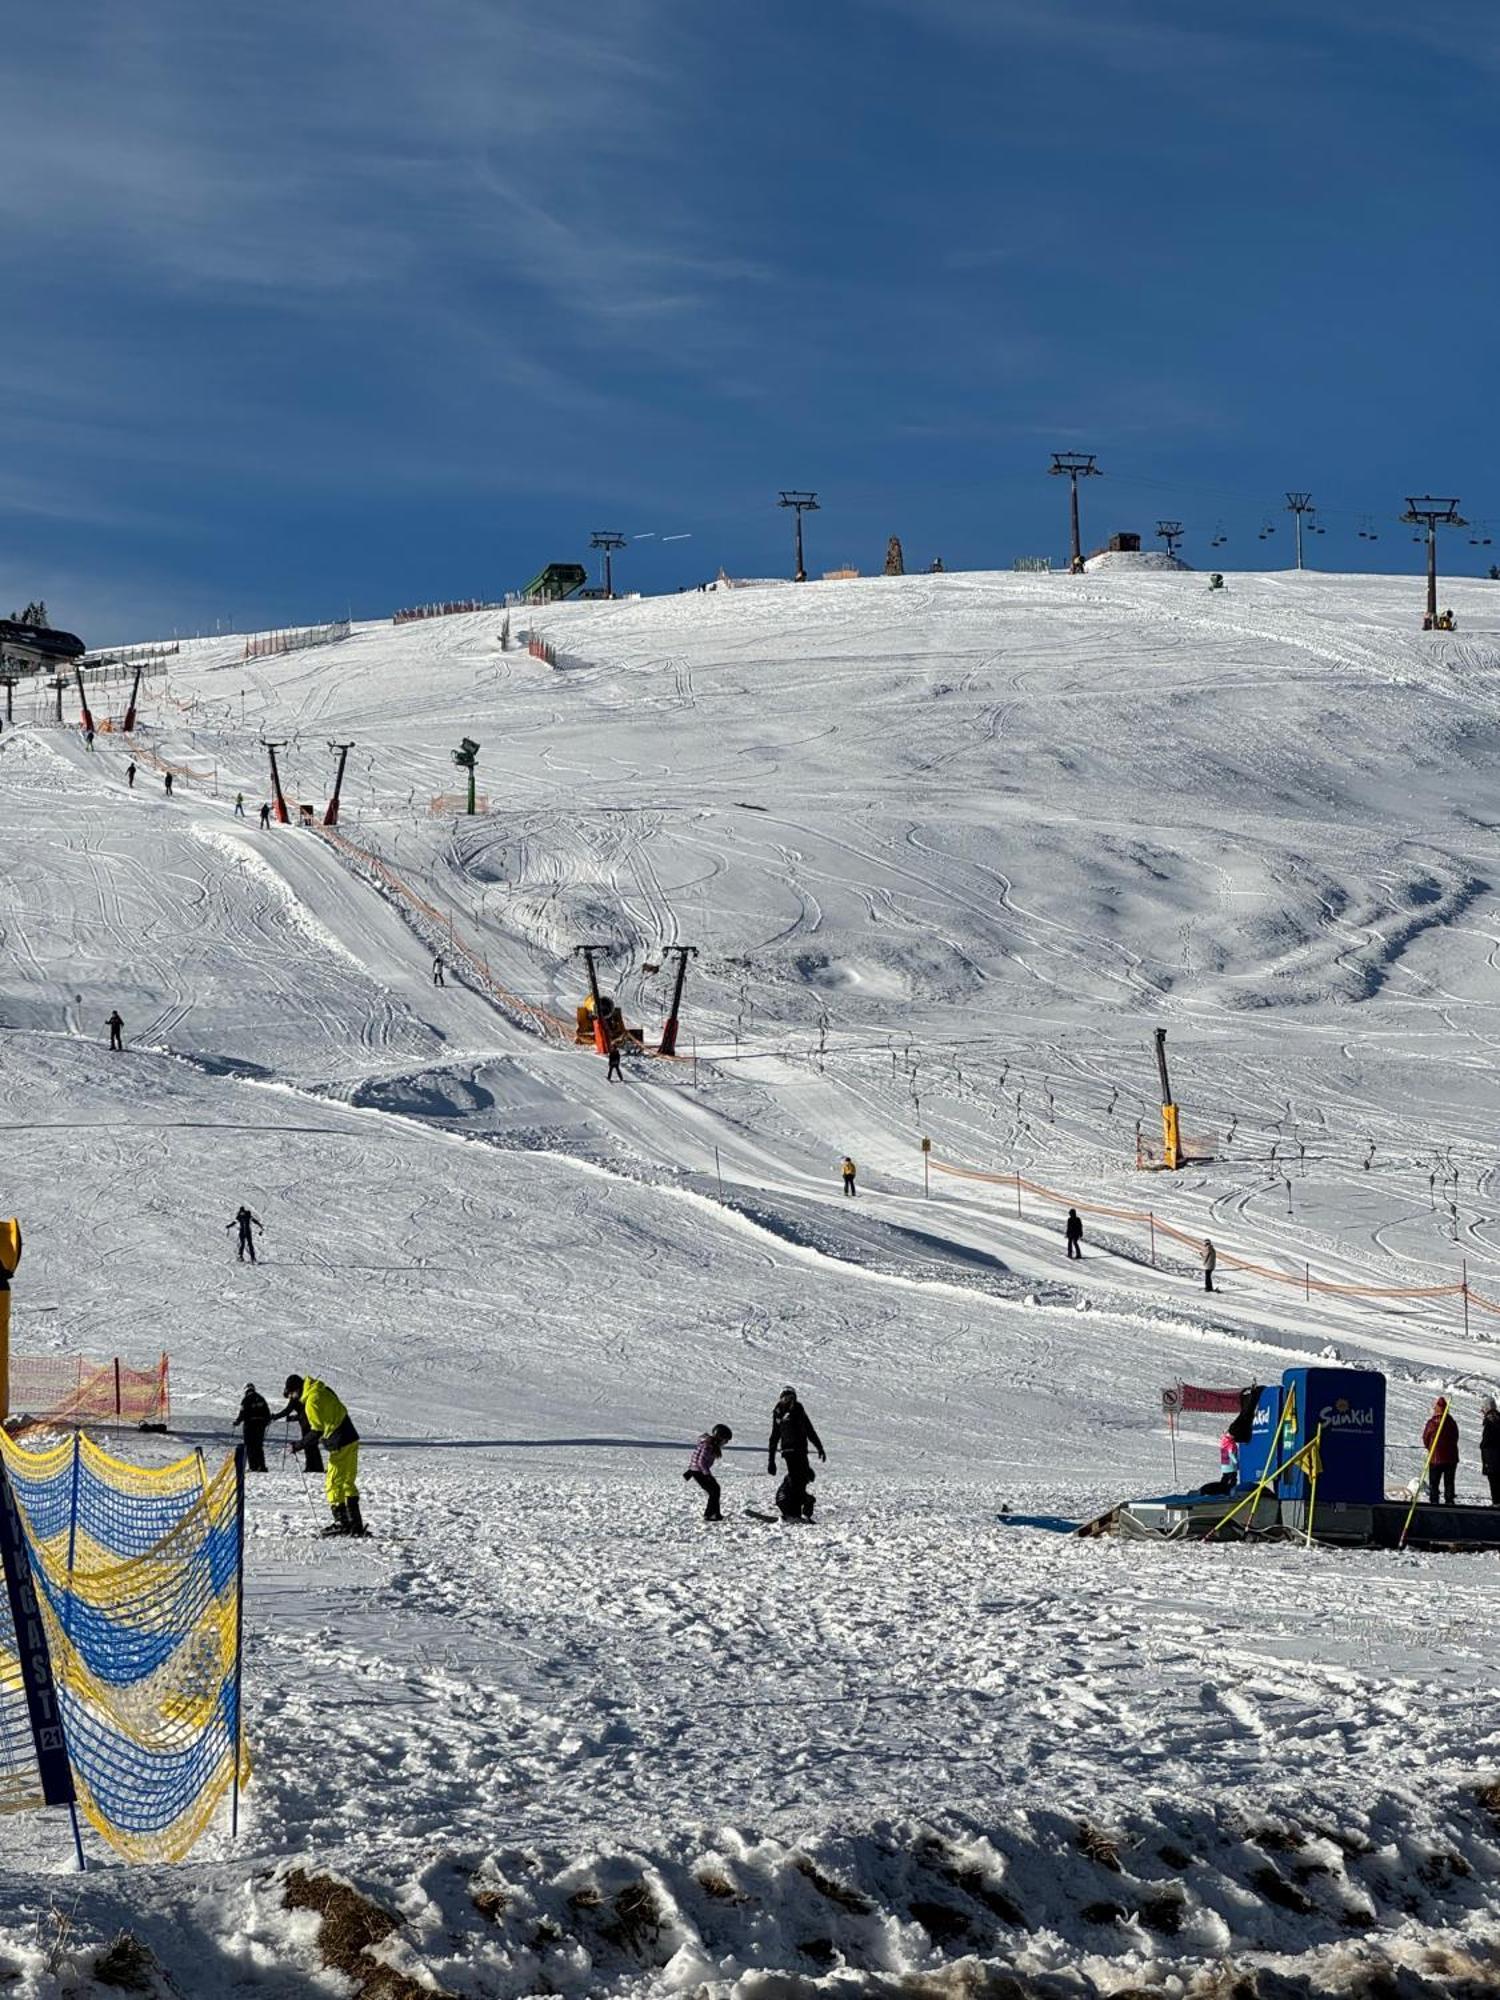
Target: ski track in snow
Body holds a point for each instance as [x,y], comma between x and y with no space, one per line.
[949,849]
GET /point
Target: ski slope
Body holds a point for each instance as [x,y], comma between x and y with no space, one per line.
[949,848]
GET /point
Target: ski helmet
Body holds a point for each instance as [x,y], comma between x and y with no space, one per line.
[292,1386]
[723,1433]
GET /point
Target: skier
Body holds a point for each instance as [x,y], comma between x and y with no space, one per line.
[88,738]
[614,1074]
[327,1417]
[847,1170]
[254,1416]
[1489,1447]
[167,784]
[244,1221]
[437,970]
[1073,1231]
[706,1454]
[792,1434]
[130,774]
[116,1028]
[239,805]
[307,1443]
[1440,1436]
[265,816]
[1210,1263]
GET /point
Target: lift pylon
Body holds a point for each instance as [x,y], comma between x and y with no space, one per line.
[278,798]
[668,1043]
[127,727]
[601,1030]
[85,717]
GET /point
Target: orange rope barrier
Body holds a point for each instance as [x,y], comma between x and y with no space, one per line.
[1148,1218]
[548,1023]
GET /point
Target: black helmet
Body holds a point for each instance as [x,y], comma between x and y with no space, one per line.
[292,1386]
[723,1433]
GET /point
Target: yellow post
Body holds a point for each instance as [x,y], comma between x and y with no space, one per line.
[1171,1142]
[10,1256]
[1314,1465]
[1270,1472]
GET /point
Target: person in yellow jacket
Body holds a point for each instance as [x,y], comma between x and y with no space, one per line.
[332,1423]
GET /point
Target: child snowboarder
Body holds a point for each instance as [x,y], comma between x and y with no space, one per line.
[706,1455]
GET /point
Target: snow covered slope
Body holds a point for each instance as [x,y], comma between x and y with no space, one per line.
[950,848]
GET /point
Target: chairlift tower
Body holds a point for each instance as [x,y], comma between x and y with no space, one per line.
[607,540]
[1169,533]
[278,797]
[1426,511]
[668,1043]
[341,751]
[1073,466]
[802,503]
[1298,504]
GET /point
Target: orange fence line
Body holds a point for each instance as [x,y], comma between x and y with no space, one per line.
[548,1023]
[1305,1283]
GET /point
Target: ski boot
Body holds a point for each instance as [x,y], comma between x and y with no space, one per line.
[339,1525]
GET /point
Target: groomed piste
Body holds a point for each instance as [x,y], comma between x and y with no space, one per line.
[950,849]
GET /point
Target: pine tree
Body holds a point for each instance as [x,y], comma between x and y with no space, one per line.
[895,562]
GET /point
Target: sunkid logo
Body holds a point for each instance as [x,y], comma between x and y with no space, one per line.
[1340,1416]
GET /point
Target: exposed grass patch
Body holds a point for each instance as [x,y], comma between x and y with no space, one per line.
[127,1964]
[351,1926]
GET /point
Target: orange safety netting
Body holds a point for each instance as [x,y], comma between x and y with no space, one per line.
[73,1389]
[550,1024]
[1149,1219]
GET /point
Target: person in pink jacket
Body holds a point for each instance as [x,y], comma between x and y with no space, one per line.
[706,1455]
[1440,1436]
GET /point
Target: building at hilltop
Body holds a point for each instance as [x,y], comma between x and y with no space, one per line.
[36,649]
[1124,551]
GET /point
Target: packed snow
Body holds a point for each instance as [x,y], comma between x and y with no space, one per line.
[949,848]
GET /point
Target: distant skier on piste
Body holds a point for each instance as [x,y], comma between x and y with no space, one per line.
[254,1419]
[116,1029]
[848,1172]
[1073,1232]
[244,1222]
[130,774]
[307,1437]
[614,1073]
[706,1454]
[1210,1261]
[437,970]
[792,1434]
[333,1424]
[265,817]
[166,784]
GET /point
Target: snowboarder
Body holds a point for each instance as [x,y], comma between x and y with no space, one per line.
[327,1417]
[792,1434]
[239,805]
[1489,1447]
[1073,1232]
[437,971]
[307,1442]
[706,1454]
[130,774]
[614,1074]
[254,1417]
[116,1028]
[848,1170]
[167,784]
[1440,1436]
[88,738]
[244,1222]
[1210,1264]
[265,817]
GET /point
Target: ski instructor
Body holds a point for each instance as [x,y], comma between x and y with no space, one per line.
[326,1415]
[793,1435]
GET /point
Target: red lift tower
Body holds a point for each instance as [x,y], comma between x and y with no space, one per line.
[668,1044]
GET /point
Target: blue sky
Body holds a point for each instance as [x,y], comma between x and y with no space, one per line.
[319,303]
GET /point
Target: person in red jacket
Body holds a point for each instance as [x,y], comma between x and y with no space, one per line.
[1440,1436]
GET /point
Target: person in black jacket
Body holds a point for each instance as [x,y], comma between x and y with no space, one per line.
[1073,1232]
[254,1417]
[1489,1447]
[244,1222]
[792,1434]
[312,1458]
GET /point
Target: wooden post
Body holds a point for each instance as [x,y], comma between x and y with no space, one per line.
[1151,1218]
[1018,1194]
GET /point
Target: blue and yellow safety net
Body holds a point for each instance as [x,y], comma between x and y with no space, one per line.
[137,1576]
